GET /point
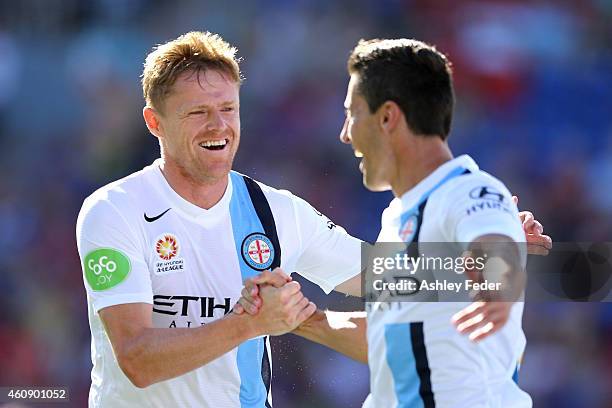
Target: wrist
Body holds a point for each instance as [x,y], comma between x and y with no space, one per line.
[308,326]
[247,325]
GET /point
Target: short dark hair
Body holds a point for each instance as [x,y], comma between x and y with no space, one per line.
[412,74]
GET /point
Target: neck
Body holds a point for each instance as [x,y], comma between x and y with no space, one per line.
[204,194]
[417,160]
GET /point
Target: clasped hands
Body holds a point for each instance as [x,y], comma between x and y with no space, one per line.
[275,301]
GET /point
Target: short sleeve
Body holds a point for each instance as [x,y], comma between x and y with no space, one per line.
[329,256]
[482,205]
[114,269]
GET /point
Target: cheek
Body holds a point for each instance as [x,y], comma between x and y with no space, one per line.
[189,130]
[234,123]
[235,128]
[361,131]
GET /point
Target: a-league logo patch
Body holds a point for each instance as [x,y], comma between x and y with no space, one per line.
[408,229]
[258,251]
[168,253]
[167,247]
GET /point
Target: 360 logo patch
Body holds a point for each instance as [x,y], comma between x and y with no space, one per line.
[105,268]
[258,251]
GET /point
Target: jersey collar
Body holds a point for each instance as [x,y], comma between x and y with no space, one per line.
[412,197]
[189,209]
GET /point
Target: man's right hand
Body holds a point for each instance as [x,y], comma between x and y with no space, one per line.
[280,305]
[250,300]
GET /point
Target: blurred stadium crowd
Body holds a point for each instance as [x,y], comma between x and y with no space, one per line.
[534,87]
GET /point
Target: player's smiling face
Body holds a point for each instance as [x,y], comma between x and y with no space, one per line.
[201,125]
[362,132]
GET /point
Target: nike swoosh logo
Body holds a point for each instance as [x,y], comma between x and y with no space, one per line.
[157,217]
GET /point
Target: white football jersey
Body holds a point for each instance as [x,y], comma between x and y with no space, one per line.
[416,356]
[139,241]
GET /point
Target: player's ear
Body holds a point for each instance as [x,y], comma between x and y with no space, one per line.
[389,116]
[151,118]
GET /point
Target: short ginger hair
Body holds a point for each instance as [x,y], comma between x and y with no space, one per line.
[195,51]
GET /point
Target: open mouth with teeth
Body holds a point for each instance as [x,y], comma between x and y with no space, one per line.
[214,144]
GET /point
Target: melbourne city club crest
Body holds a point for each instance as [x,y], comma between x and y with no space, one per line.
[409,229]
[258,251]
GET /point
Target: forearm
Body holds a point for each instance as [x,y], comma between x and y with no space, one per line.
[158,354]
[503,266]
[344,332]
[351,287]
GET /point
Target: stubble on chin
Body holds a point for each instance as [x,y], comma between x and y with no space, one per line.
[205,173]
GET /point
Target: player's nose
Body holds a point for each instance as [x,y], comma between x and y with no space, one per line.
[344,134]
[215,122]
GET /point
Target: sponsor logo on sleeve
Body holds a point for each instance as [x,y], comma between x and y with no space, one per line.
[167,250]
[257,251]
[330,223]
[106,268]
[487,193]
[487,198]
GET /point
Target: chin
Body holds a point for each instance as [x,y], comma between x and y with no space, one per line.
[205,173]
[375,185]
[216,174]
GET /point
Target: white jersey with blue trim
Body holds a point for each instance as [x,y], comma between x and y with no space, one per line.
[416,356]
[139,241]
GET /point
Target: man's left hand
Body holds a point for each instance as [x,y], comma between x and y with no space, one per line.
[537,242]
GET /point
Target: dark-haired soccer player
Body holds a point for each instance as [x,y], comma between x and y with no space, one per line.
[399,108]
